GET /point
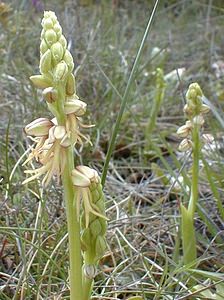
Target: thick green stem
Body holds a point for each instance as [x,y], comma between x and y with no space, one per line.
[75,257]
[75,274]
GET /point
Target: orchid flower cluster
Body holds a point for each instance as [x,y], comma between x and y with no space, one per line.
[51,137]
[53,144]
[195,111]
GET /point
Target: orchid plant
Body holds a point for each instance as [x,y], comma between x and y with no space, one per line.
[53,147]
[193,139]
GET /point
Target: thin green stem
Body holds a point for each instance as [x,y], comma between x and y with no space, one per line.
[75,274]
[187,223]
[195,171]
[126,95]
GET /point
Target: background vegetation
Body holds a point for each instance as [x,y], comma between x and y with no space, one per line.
[144,248]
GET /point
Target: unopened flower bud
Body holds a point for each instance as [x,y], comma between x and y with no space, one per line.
[45,62]
[89,271]
[100,246]
[195,103]
[191,93]
[43,47]
[61,71]
[39,127]
[199,120]
[50,94]
[63,42]
[75,106]
[70,85]
[185,145]
[184,130]
[47,23]
[79,179]
[194,96]
[188,110]
[85,238]
[96,228]
[50,37]
[91,174]
[101,208]
[48,14]
[194,90]
[57,27]
[58,30]
[57,52]
[204,109]
[69,60]
[41,81]
[51,15]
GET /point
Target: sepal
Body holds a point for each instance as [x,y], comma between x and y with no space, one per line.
[70,85]
[39,127]
[41,81]
[75,106]
[45,62]
[61,71]
[57,52]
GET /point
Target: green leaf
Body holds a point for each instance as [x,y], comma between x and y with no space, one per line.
[188,235]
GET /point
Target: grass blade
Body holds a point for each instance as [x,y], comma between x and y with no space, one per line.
[126,94]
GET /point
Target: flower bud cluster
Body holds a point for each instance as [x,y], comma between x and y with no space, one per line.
[53,48]
[56,65]
[56,62]
[195,111]
[93,219]
[194,105]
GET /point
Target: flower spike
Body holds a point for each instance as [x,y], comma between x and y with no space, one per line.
[52,149]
